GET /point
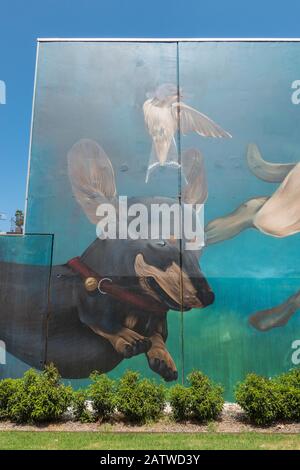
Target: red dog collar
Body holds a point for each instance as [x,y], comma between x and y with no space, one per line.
[93,281]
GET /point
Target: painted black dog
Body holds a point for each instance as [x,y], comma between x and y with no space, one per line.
[83,328]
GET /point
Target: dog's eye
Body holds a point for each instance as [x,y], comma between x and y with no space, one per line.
[161,243]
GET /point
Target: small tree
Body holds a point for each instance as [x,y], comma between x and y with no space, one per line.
[19,221]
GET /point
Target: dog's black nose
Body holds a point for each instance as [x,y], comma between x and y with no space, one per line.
[207,298]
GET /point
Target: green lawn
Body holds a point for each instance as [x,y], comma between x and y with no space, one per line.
[146,441]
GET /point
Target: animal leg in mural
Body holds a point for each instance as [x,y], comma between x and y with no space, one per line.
[159,358]
[280,215]
[154,270]
[126,342]
[278,316]
[277,215]
[229,226]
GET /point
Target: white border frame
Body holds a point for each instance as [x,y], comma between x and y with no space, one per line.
[30,137]
[168,39]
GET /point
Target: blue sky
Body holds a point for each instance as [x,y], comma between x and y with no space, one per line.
[22,22]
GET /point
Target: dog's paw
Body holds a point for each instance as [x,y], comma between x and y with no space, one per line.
[129,343]
[161,362]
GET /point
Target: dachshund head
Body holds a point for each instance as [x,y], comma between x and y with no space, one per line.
[158,266]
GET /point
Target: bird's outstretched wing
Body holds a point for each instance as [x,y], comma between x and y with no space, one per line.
[91,175]
[191,120]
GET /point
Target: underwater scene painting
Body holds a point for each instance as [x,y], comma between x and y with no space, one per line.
[162,213]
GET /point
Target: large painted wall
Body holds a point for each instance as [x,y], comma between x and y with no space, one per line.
[96,91]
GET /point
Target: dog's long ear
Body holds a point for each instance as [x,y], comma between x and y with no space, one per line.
[91,175]
[195,191]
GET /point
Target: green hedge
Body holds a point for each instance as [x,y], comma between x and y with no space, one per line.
[266,400]
[37,397]
[140,400]
[42,397]
[202,400]
[8,387]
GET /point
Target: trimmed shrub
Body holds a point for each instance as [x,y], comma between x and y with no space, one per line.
[267,400]
[288,395]
[202,400]
[290,378]
[140,401]
[288,403]
[80,409]
[206,397]
[102,393]
[258,396]
[180,401]
[8,387]
[39,397]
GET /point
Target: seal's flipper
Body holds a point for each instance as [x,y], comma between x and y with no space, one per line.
[271,172]
[265,320]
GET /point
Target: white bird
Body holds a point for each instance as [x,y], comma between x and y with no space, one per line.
[165,114]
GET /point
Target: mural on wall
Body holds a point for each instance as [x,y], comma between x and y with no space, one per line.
[107,154]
